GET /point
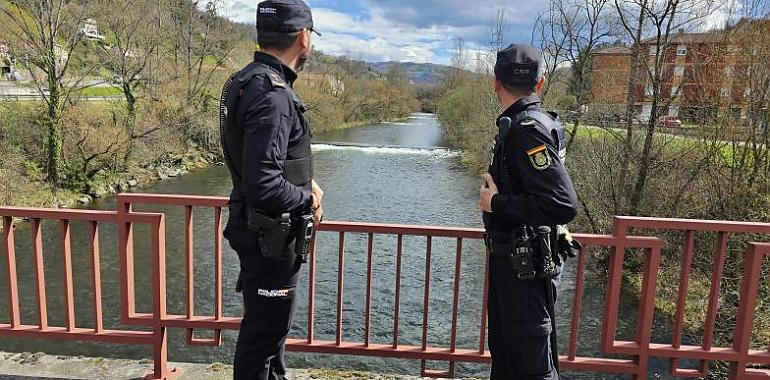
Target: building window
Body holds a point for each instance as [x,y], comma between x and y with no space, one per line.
[649,91]
[681,50]
[674,90]
[679,71]
[673,112]
[654,50]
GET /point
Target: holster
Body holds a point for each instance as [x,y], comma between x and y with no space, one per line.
[273,234]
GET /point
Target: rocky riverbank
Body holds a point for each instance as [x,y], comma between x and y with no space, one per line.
[38,366]
[40,195]
[161,170]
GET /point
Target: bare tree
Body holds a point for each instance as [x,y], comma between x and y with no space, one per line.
[748,134]
[48,33]
[553,43]
[199,41]
[134,39]
[660,20]
[457,73]
[571,32]
[498,31]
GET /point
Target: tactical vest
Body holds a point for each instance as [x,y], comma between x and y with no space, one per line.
[547,122]
[500,168]
[298,167]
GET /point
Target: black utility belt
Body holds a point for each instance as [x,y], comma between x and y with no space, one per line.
[529,257]
[275,233]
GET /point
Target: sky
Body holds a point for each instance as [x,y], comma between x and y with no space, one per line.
[405,30]
[423,31]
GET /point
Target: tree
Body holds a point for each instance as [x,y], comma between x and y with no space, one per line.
[134,37]
[547,32]
[48,33]
[457,73]
[199,42]
[660,20]
[571,32]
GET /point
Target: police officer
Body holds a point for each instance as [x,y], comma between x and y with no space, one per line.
[526,195]
[266,141]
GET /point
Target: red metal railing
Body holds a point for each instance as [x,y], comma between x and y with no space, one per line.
[70,331]
[620,245]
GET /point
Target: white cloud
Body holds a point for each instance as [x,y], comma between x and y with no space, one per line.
[244,11]
[373,49]
[722,12]
[401,30]
[376,38]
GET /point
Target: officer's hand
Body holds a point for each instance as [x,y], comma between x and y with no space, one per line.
[318,215]
[488,190]
[318,195]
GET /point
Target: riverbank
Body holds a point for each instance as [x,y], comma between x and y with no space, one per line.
[37,193]
[38,366]
[40,194]
[362,123]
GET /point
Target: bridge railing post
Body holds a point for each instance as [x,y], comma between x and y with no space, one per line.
[746,308]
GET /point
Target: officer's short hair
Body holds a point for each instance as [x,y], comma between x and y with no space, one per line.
[517,90]
[276,40]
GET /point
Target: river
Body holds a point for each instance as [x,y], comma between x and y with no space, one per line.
[391,173]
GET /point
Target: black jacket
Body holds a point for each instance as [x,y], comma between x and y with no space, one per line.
[271,125]
[541,192]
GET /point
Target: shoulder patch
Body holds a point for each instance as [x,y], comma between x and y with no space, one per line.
[528,122]
[276,80]
[539,157]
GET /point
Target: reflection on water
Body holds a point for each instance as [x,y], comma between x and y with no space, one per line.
[390,173]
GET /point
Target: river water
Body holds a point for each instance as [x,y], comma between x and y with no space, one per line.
[388,173]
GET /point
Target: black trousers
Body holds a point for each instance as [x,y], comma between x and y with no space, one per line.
[268,287]
[519,326]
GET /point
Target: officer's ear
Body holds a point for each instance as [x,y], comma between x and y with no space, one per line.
[497,84]
[540,84]
[304,39]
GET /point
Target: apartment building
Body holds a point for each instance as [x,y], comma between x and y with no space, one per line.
[702,75]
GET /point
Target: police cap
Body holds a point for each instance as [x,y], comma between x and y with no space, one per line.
[284,16]
[519,65]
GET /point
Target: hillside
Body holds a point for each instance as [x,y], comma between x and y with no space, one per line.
[419,73]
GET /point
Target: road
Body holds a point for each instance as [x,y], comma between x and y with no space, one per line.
[11,91]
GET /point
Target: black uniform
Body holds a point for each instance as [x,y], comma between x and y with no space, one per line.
[268,128]
[266,143]
[534,190]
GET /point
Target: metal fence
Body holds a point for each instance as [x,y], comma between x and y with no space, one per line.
[617,247]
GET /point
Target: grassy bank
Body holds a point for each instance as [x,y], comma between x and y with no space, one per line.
[96,160]
[697,178]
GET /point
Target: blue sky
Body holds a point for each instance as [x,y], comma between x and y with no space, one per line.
[405,30]
[423,30]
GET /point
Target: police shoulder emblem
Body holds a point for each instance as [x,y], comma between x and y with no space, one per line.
[539,157]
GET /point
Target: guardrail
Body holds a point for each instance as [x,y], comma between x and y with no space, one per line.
[33,97]
[617,246]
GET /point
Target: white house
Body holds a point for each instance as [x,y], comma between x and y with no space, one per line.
[90,30]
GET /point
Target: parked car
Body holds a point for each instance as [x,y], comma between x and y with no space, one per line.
[669,121]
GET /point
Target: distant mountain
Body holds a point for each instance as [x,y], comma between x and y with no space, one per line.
[419,73]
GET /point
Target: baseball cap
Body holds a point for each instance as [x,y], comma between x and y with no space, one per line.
[519,65]
[284,16]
